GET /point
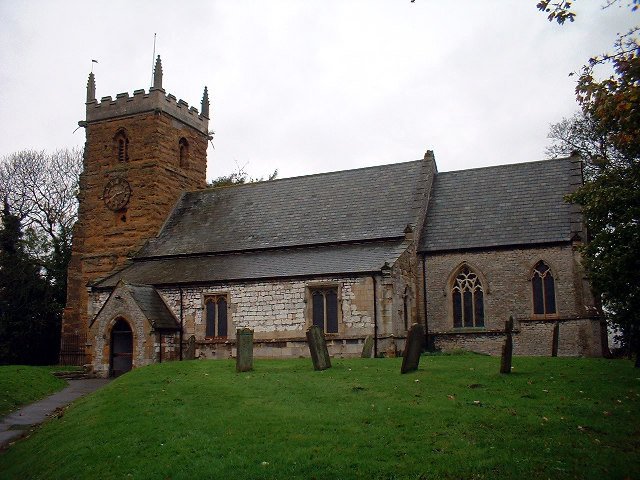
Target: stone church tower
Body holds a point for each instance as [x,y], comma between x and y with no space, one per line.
[141,153]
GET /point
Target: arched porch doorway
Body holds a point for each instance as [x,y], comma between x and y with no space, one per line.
[121,348]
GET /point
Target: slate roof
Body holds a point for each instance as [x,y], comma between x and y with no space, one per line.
[150,303]
[153,307]
[507,205]
[353,205]
[309,261]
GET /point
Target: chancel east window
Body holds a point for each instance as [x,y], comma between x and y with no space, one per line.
[544,290]
[468,300]
[216,312]
[325,309]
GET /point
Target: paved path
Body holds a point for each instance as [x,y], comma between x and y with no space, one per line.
[14,425]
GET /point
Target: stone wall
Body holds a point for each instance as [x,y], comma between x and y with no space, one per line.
[506,279]
[104,240]
[277,311]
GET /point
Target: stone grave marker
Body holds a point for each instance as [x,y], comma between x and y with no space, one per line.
[189,353]
[413,348]
[507,348]
[244,344]
[318,348]
[367,348]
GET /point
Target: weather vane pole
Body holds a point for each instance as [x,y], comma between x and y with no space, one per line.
[153,59]
[92,62]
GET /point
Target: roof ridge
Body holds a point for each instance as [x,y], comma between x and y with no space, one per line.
[507,165]
[319,174]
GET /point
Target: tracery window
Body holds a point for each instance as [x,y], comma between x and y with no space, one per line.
[468,300]
[122,146]
[183,146]
[544,290]
[325,309]
[216,312]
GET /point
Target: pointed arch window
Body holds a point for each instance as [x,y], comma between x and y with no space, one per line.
[122,146]
[544,290]
[183,147]
[216,312]
[468,299]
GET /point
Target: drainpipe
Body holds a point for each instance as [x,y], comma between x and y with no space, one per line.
[375,319]
[181,333]
[160,335]
[426,315]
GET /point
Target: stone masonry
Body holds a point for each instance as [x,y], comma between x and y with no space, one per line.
[155,126]
[506,279]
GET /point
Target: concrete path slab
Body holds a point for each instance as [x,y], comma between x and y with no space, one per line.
[14,425]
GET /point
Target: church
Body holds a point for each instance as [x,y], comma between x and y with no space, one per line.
[164,268]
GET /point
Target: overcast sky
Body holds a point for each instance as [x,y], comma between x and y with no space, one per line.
[309,86]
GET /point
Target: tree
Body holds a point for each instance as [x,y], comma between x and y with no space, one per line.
[26,310]
[239,177]
[560,11]
[39,194]
[608,136]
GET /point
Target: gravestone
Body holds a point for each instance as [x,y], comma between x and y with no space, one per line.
[367,348]
[189,353]
[244,344]
[413,348]
[318,348]
[507,348]
[392,350]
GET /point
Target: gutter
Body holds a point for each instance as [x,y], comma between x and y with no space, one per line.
[181,324]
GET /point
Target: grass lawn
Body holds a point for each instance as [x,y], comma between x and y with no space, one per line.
[22,384]
[457,417]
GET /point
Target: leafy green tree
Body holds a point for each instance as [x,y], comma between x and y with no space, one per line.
[610,197]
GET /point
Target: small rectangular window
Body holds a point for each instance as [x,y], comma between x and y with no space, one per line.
[216,316]
[325,309]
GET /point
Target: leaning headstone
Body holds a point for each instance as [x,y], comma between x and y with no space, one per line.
[392,350]
[413,348]
[189,353]
[367,348]
[318,348]
[244,344]
[507,348]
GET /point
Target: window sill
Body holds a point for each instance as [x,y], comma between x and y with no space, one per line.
[468,330]
[538,318]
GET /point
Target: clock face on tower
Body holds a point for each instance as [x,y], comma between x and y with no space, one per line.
[116,194]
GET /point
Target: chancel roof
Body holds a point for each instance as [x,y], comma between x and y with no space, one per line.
[507,205]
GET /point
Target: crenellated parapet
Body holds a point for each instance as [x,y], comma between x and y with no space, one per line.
[154,101]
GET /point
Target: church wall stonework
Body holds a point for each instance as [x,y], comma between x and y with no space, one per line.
[506,281]
[277,311]
[106,240]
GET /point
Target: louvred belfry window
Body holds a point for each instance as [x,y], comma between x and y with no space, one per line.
[468,300]
[183,147]
[122,146]
[544,290]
